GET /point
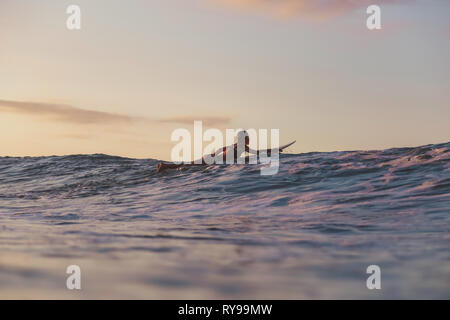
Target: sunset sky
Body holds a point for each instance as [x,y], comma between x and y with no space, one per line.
[138,69]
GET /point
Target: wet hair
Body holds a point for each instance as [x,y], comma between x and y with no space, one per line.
[241,137]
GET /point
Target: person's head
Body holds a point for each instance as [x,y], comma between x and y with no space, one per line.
[243,138]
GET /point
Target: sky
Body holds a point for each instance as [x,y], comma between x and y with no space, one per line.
[138,69]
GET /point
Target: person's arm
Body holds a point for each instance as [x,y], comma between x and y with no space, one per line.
[268,151]
[251,151]
[219,151]
[214,154]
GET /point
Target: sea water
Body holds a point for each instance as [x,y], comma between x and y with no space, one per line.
[225,231]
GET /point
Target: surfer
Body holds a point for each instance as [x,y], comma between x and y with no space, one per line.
[243,139]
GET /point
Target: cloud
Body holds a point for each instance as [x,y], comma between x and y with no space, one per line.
[208,121]
[75,136]
[75,115]
[310,8]
[63,112]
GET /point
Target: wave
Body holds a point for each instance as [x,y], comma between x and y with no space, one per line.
[298,234]
[335,178]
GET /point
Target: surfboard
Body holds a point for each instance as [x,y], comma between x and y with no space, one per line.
[164,166]
[287,145]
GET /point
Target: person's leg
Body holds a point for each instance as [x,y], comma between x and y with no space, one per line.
[163,166]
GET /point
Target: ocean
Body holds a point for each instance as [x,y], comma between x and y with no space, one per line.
[226,231]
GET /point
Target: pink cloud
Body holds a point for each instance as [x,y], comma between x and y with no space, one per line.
[72,114]
[310,8]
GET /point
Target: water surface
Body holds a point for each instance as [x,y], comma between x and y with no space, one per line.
[226,231]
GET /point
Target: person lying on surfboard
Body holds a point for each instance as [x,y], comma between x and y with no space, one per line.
[242,139]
